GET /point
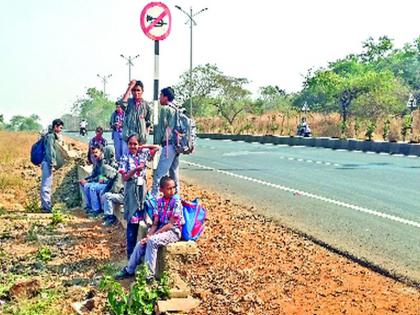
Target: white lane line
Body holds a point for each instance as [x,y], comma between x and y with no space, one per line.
[313,196]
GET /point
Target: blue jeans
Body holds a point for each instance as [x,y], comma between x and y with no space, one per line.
[46,185]
[92,193]
[118,144]
[168,164]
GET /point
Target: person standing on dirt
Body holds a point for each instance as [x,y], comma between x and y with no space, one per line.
[49,164]
[116,125]
[169,158]
[137,114]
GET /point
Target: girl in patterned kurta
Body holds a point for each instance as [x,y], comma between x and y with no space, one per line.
[133,169]
[167,224]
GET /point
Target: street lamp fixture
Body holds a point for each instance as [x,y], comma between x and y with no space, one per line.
[104,79]
[129,63]
[192,22]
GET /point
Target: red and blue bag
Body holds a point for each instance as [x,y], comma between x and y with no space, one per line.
[194,216]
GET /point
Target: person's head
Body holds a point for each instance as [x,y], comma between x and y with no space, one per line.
[57,125]
[303,119]
[167,187]
[109,154]
[138,90]
[99,132]
[97,150]
[133,144]
[166,95]
[118,107]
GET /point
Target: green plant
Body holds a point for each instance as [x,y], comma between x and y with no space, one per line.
[142,297]
[32,233]
[370,129]
[343,128]
[48,303]
[386,129]
[357,127]
[44,254]
[32,205]
[406,126]
[57,217]
[2,211]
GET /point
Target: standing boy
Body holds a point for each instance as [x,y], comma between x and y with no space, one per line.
[49,163]
[137,114]
[116,125]
[163,135]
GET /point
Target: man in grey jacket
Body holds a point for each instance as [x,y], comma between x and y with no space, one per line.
[49,163]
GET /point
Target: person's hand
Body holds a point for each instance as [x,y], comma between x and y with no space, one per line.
[144,240]
[101,181]
[83,181]
[140,167]
[132,84]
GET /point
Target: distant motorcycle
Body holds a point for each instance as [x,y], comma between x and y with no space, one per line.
[304,131]
[83,132]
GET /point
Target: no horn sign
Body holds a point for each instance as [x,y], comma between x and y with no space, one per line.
[155,20]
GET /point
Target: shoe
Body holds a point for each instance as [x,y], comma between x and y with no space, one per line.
[123,274]
[109,221]
[150,279]
[46,210]
[93,213]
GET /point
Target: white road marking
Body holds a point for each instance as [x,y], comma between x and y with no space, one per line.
[313,196]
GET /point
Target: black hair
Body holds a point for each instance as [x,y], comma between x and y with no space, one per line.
[140,84]
[97,146]
[131,136]
[99,129]
[164,180]
[57,122]
[169,93]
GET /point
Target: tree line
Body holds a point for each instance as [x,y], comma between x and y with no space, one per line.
[370,86]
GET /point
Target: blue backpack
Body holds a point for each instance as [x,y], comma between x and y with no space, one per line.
[184,133]
[194,216]
[38,151]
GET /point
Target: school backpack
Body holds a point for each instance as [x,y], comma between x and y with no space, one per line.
[38,151]
[194,216]
[184,133]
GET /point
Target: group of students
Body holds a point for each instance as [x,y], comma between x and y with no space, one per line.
[119,176]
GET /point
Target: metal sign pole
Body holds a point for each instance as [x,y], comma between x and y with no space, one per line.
[156,90]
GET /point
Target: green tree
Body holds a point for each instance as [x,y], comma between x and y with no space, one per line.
[96,108]
[23,123]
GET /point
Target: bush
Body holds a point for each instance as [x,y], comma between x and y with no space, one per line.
[142,297]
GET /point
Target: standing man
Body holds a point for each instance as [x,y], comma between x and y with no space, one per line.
[116,125]
[49,163]
[163,135]
[137,114]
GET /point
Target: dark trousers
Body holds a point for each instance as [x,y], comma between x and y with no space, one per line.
[131,235]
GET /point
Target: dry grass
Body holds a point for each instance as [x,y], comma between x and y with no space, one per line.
[322,125]
[18,176]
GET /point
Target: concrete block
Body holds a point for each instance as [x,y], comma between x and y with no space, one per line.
[414,149]
[404,148]
[179,289]
[394,148]
[367,146]
[166,258]
[176,305]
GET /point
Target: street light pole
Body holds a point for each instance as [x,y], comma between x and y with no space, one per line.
[129,63]
[104,80]
[190,16]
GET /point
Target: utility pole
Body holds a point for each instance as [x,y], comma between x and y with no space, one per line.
[190,16]
[104,80]
[130,64]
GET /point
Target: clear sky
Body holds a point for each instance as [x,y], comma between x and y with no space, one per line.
[52,50]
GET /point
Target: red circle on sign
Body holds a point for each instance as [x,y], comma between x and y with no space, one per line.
[147,29]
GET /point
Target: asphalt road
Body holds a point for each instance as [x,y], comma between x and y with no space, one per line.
[367,205]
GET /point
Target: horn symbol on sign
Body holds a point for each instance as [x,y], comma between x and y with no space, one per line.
[150,18]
